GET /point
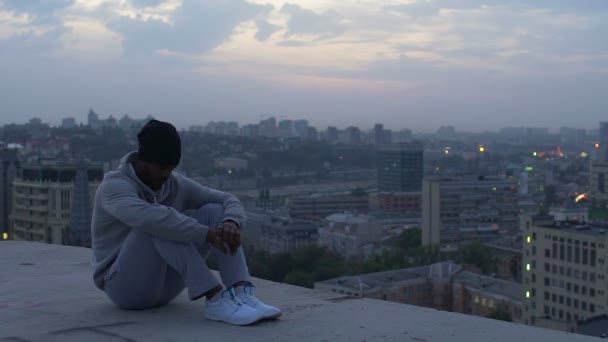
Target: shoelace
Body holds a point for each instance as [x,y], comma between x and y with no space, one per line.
[248,289]
[248,297]
[235,302]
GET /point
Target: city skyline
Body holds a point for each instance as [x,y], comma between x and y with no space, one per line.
[477,65]
[71,121]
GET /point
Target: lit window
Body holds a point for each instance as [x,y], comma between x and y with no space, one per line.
[476,299]
[529,239]
[527,267]
[527,294]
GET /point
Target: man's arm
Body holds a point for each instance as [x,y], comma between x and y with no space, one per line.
[197,195]
[119,198]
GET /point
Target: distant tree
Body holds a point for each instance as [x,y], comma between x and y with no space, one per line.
[358,192]
[299,278]
[410,238]
[501,315]
[475,253]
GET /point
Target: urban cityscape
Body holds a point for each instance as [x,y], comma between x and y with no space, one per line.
[390,170]
[509,225]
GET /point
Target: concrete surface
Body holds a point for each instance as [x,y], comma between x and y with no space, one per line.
[47,294]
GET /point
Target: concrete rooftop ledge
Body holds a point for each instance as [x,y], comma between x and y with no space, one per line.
[47,294]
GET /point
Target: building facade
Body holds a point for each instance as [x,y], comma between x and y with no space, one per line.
[47,195]
[281,235]
[468,207]
[321,206]
[598,178]
[345,234]
[564,273]
[405,204]
[9,168]
[400,168]
[442,286]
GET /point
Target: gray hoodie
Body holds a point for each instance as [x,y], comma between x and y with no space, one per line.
[123,202]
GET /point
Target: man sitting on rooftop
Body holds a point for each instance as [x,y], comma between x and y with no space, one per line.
[146,250]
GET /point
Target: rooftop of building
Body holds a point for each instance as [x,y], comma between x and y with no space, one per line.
[373,282]
[334,197]
[508,243]
[468,178]
[48,295]
[349,218]
[497,287]
[594,326]
[397,194]
[60,164]
[593,229]
[406,147]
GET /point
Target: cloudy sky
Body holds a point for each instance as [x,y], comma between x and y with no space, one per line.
[478,65]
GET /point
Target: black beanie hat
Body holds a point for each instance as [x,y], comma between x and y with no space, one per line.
[159,143]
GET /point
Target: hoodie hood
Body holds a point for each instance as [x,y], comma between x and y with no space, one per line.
[126,167]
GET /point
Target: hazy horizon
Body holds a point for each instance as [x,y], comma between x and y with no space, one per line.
[476,65]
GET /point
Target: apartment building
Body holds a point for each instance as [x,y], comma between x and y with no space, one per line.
[346,234]
[405,204]
[400,167]
[442,286]
[564,272]
[321,206]
[281,235]
[50,199]
[468,207]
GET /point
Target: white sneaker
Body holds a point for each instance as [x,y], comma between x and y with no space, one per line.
[248,297]
[230,309]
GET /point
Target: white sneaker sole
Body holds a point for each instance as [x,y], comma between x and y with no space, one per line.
[235,322]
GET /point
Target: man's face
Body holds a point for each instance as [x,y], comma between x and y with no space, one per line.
[156,175]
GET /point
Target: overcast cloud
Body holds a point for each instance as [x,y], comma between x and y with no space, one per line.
[478,65]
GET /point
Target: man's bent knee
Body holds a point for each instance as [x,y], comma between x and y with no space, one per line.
[210,214]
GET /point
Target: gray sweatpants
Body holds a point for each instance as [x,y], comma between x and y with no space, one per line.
[150,271]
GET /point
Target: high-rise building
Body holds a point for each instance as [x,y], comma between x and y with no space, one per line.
[312,134]
[381,136]
[286,128]
[353,135]
[9,168]
[598,173]
[79,230]
[68,122]
[43,200]
[300,128]
[400,167]
[403,136]
[332,134]
[268,127]
[93,119]
[468,207]
[250,130]
[446,132]
[564,273]
[598,180]
[603,141]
